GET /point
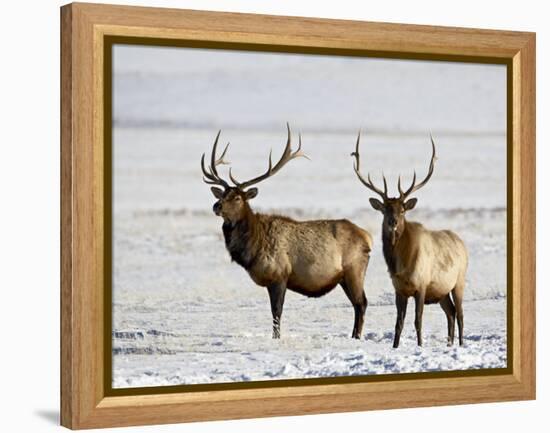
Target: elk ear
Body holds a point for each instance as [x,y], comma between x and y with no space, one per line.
[410,204]
[251,193]
[376,204]
[218,193]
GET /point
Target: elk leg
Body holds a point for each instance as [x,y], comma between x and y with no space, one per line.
[450,311]
[419,299]
[401,304]
[359,301]
[457,297]
[353,288]
[277,299]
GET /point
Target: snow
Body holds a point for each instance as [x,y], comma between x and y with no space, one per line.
[224,345]
[184,313]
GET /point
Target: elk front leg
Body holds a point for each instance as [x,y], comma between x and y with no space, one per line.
[419,299]
[401,304]
[277,299]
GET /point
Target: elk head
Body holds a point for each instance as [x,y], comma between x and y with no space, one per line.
[393,208]
[232,200]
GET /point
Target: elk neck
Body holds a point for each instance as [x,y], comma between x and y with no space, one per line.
[241,238]
[391,252]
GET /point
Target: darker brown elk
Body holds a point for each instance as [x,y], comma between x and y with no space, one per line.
[279,253]
[425,264]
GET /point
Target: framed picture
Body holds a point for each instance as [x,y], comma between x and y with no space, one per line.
[371,167]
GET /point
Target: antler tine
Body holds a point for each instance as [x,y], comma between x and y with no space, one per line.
[414,187]
[368,183]
[287,156]
[402,194]
[211,175]
[299,152]
[235,181]
[207,174]
[215,162]
[220,160]
[287,153]
[399,186]
[204,171]
[288,145]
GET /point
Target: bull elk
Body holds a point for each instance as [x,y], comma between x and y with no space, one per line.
[279,253]
[428,265]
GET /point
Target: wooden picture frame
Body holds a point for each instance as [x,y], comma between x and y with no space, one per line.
[87,33]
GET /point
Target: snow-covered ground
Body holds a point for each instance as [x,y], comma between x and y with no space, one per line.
[171,342]
[183,313]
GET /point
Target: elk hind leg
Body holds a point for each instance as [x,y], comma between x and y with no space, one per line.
[458,293]
[450,311]
[277,298]
[353,287]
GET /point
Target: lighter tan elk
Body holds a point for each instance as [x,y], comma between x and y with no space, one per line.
[427,265]
[307,257]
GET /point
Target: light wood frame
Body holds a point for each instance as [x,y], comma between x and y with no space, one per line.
[84,29]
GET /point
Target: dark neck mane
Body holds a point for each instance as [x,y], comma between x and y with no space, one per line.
[240,239]
[389,250]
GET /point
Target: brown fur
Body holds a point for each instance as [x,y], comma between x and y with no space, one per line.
[428,265]
[307,257]
[424,264]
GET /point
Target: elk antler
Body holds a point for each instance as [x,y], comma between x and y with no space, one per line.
[211,175]
[368,183]
[414,187]
[272,169]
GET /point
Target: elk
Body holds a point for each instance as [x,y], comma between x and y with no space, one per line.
[279,253]
[425,264]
